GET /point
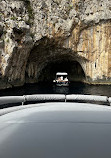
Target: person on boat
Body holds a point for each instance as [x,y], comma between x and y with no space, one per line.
[65,79]
[61,78]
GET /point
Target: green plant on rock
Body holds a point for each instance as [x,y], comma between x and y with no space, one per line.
[30,12]
[32,35]
[4,32]
[13,18]
[7,40]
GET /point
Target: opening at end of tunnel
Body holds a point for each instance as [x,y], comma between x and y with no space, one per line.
[73,68]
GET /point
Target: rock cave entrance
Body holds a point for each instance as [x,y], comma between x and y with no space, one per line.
[46,59]
[73,68]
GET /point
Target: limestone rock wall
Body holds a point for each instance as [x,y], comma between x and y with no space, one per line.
[34,33]
[16,42]
[94,45]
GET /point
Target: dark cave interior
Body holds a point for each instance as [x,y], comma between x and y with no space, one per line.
[73,68]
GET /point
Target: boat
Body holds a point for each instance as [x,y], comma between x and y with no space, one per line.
[61,79]
[59,129]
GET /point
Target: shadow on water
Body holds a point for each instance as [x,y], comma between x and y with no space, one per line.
[61,90]
[49,88]
[82,88]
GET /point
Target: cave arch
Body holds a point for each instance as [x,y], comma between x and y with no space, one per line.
[73,68]
[47,58]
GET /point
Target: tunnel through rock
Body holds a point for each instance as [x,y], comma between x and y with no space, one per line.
[73,68]
[47,58]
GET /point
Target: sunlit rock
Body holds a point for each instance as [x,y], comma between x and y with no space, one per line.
[37,36]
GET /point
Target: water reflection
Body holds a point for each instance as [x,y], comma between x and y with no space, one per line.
[82,88]
[61,90]
[49,88]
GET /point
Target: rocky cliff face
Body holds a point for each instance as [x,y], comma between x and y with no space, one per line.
[36,36]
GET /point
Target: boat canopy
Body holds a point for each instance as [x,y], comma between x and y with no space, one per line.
[61,73]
